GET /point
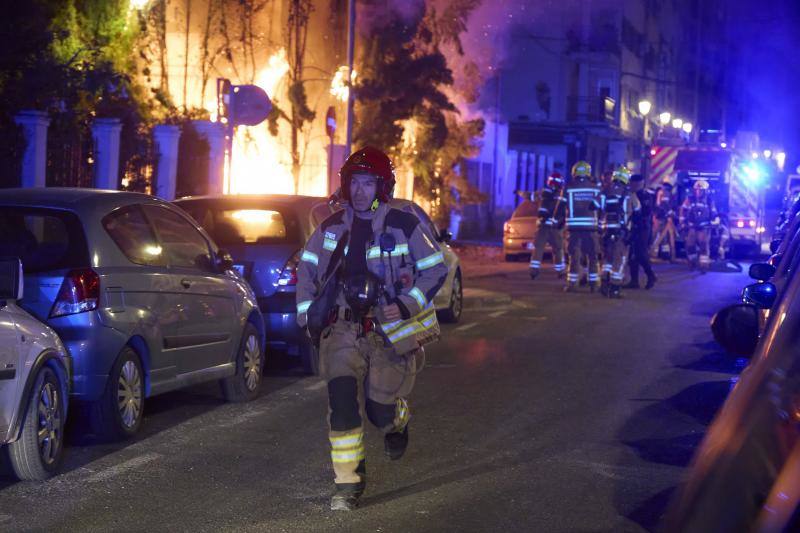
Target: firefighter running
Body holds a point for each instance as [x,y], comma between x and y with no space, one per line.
[696,216]
[618,205]
[583,203]
[551,221]
[385,273]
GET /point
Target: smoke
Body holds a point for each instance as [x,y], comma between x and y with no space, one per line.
[373,15]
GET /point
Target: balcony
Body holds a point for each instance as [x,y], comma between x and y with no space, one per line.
[594,109]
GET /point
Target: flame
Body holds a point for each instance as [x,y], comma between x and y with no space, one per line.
[339,87]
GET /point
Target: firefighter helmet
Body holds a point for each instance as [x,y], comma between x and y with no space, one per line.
[555,180]
[700,185]
[582,168]
[369,160]
[622,174]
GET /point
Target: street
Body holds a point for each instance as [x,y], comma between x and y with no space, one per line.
[540,411]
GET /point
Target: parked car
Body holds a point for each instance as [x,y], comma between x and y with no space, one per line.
[34,384]
[265,235]
[746,474]
[519,232]
[142,298]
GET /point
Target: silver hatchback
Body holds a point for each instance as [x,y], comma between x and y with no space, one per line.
[142,298]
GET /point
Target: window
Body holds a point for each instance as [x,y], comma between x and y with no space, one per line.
[183,245]
[134,236]
[44,239]
[231,223]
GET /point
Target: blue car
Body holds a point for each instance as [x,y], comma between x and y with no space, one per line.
[265,235]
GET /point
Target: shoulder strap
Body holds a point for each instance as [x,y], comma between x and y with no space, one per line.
[336,256]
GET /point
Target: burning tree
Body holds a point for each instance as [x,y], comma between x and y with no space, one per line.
[405,102]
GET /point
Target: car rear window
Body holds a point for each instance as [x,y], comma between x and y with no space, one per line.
[248,223]
[526,209]
[44,239]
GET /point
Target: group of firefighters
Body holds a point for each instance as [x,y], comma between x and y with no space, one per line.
[612,222]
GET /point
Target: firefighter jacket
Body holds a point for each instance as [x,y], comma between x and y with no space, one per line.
[697,213]
[552,207]
[401,254]
[584,200]
[665,204]
[617,208]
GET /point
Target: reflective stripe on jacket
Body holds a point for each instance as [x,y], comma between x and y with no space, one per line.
[413,271]
[584,200]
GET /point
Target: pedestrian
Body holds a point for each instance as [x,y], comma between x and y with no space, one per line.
[551,211]
[697,215]
[641,231]
[384,271]
[583,203]
[664,219]
[616,214]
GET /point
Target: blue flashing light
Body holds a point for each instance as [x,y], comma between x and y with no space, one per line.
[753,172]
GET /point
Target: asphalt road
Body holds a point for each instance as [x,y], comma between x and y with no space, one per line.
[548,412]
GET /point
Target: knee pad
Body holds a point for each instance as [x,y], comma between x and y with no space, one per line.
[380,414]
[343,400]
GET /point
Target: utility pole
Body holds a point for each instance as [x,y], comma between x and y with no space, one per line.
[351,38]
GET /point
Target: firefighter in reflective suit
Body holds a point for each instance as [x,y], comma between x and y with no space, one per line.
[696,216]
[386,279]
[551,222]
[618,206]
[583,203]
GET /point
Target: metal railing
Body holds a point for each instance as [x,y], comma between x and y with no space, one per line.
[593,109]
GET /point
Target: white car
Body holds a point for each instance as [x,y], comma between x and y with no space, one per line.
[34,384]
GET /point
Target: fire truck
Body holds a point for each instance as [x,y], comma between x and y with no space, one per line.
[737,179]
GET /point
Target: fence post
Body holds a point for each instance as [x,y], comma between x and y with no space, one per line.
[214,134]
[34,160]
[166,137]
[105,132]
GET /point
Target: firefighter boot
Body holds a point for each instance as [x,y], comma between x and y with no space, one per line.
[395,444]
[534,273]
[604,284]
[346,495]
[614,291]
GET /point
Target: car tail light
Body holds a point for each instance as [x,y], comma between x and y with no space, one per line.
[508,229]
[752,223]
[79,292]
[740,223]
[288,277]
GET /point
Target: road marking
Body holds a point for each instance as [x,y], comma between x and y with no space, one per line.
[130,464]
[535,318]
[317,386]
[497,314]
[465,327]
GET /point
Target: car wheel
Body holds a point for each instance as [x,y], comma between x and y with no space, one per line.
[246,383]
[118,413]
[36,455]
[453,313]
[309,355]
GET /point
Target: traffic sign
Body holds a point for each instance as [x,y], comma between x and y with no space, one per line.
[330,122]
[249,105]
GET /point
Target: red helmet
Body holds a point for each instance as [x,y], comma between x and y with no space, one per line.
[555,180]
[369,160]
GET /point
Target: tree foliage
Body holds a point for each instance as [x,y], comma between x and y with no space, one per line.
[405,105]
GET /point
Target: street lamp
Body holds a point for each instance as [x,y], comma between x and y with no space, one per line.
[687,127]
[768,153]
[644,107]
[677,123]
[664,118]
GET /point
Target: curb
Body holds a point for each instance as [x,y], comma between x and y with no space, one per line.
[482,298]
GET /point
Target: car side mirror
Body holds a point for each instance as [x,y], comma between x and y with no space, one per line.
[11,279]
[761,295]
[224,260]
[774,245]
[735,328]
[445,235]
[761,271]
[775,260]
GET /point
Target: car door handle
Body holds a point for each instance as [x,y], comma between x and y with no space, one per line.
[186,283]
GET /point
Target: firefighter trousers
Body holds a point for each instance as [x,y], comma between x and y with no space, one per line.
[553,236]
[665,229]
[582,243]
[697,247]
[363,377]
[614,258]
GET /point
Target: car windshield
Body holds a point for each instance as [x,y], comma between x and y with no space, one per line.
[526,209]
[246,224]
[44,239]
